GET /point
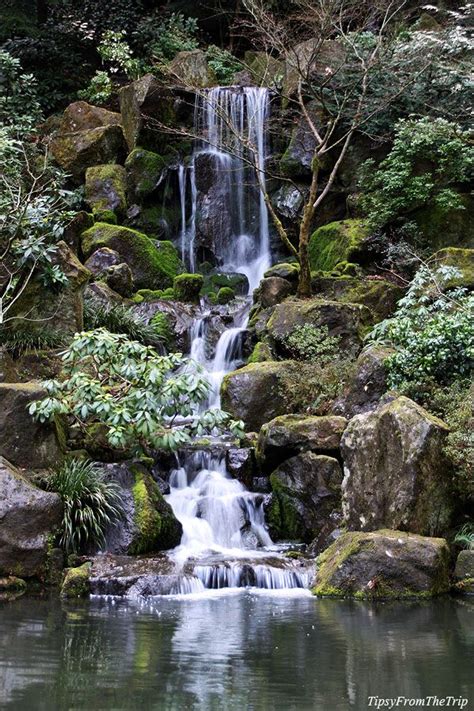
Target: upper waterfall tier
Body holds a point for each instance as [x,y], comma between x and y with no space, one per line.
[223,212]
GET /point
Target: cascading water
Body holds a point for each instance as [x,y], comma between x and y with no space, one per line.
[225,542]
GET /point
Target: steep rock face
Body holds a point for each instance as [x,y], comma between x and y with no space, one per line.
[347,321]
[257,393]
[191,69]
[105,189]
[214,221]
[306,489]
[368,384]
[23,441]
[288,435]
[148,522]
[153,264]
[396,475]
[64,312]
[144,104]
[28,516]
[383,564]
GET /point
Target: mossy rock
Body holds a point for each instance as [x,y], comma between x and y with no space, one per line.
[285,270]
[187,287]
[383,564]
[105,190]
[442,228]
[76,583]
[225,295]
[154,295]
[153,264]
[144,169]
[75,152]
[261,352]
[336,242]
[213,282]
[461,259]
[157,528]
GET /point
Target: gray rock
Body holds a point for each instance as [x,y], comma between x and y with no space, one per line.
[273,290]
[106,187]
[28,517]
[240,463]
[100,261]
[368,384]
[396,474]
[120,279]
[191,69]
[144,103]
[383,564]
[464,572]
[288,201]
[24,441]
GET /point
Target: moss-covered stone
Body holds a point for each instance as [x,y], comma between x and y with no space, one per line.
[285,270]
[336,242]
[187,287]
[153,264]
[143,170]
[462,260]
[105,190]
[225,295]
[12,584]
[383,564]
[76,582]
[156,526]
[442,228]
[261,353]
[154,295]
[75,152]
[213,282]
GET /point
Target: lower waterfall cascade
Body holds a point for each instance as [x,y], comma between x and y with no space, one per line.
[225,541]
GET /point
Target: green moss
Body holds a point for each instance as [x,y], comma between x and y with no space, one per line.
[154,295]
[285,270]
[12,584]
[187,287]
[224,295]
[335,243]
[153,264]
[461,259]
[161,324]
[144,169]
[283,516]
[107,216]
[76,582]
[441,227]
[260,353]
[331,559]
[157,528]
[213,282]
[105,191]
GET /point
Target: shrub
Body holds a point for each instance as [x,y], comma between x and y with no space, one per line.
[90,504]
[120,319]
[428,157]
[311,343]
[99,90]
[162,39]
[19,106]
[223,63]
[146,401]
[432,331]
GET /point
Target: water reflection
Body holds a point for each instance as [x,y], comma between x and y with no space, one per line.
[231,651]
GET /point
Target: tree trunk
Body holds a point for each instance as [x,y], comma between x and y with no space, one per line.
[304,283]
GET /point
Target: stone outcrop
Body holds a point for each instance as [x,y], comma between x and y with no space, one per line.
[368,384]
[144,104]
[24,441]
[105,189]
[28,518]
[306,489]
[396,475]
[288,435]
[383,564]
[191,69]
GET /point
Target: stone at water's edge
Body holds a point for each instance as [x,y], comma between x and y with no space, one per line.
[287,435]
[272,290]
[144,105]
[383,564]
[76,582]
[28,518]
[306,490]
[347,321]
[396,473]
[464,572]
[24,441]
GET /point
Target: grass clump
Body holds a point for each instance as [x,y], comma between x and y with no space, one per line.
[19,341]
[120,319]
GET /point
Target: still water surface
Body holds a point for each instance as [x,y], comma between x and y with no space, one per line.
[231,651]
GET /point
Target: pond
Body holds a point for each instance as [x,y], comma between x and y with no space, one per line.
[231,650]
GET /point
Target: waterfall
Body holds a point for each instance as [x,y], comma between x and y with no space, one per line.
[225,541]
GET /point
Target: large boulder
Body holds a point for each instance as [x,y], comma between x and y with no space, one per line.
[148,523]
[153,264]
[23,441]
[383,564]
[81,116]
[28,518]
[306,489]
[144,169]
[258,392]
[344,320]
[273,290]
[297,160]
[191,69]
[368,384]
[75,152]
[101,260]
[311,58]
[336,242]
[64,312]
[396,474]
[144,105]
[214,227]
[105,189]
[288,435]
[443,228]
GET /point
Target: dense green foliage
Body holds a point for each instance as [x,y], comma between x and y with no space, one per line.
[120,319]
[147,401]
[429,158]
[90,504]
[432,331]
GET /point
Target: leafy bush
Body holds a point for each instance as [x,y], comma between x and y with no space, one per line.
[120,319]
[146,401]
[311,343]
[223,63]
[90,504]
[99,90]
[162,38]
[465,536]
[432,331]
[19,106]
[427,158]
